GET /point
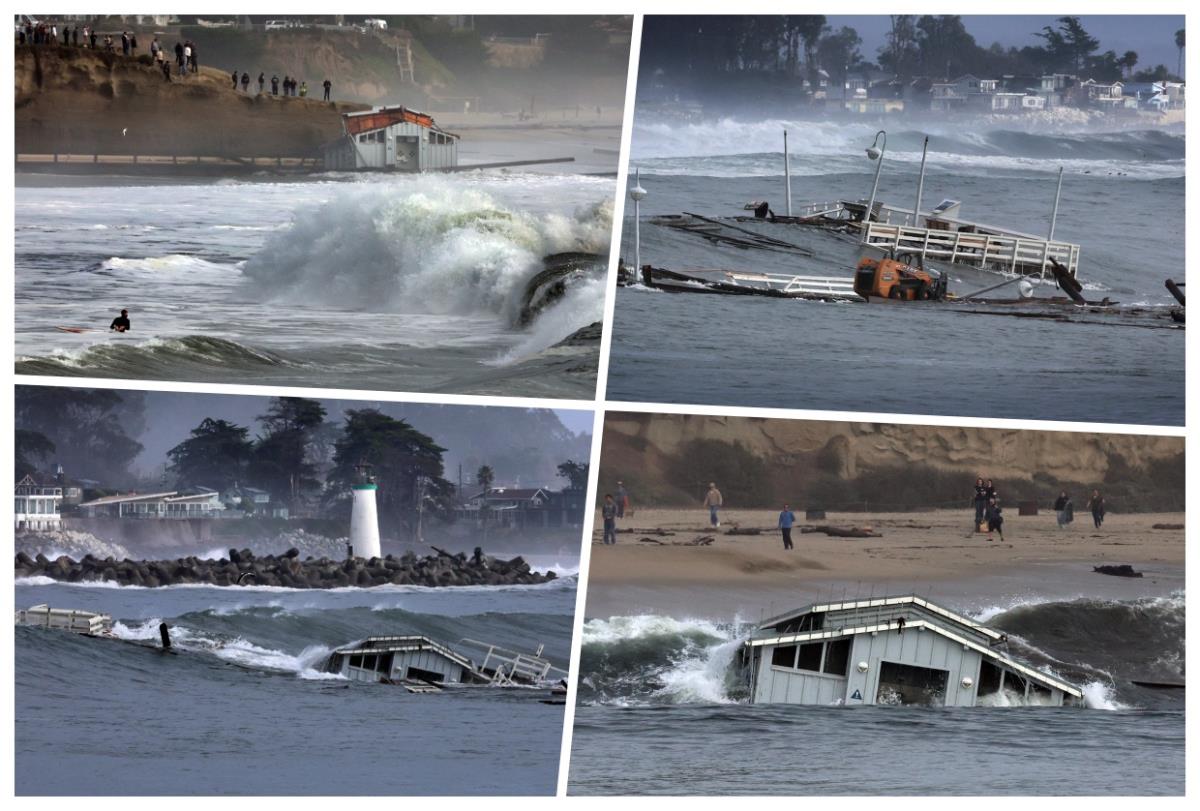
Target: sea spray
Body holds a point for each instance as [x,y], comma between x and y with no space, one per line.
[431,247]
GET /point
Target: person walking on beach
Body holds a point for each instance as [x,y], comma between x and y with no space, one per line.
[980,503]
[787,519]
[328,85]
[995,521]
[1096,505]
[622,499]
[1064,510]
[714,502]
[609,513]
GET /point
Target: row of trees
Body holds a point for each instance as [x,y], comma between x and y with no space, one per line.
[932,46]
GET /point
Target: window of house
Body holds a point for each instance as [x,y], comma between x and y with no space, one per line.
[837,657]
[784,656]
[810,656]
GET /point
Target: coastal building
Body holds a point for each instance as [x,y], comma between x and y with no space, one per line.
[197,502]
[524,508]
[394,139]
[37,504]
[1105,95]
[252,501]
[891,650]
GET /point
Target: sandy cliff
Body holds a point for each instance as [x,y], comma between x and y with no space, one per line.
[72,100]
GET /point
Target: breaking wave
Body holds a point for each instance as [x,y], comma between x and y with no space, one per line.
[1103,646]
[439,248]
[154,358]
[732,148]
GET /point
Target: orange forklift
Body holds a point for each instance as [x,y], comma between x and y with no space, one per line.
[899,277]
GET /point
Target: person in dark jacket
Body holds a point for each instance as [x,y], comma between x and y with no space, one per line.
[609,513]
[1063,509]
[262,81]
[328,86]
[995,521]
[980,503]
[1096,505]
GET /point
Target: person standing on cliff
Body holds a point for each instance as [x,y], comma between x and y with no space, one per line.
[234,76]
[262,82]
[92,38]
[179,57]
[133,43]
[328,85]
[125,43]
[245,82]
[194,58]
[787,519]
[714,502]
[274,85]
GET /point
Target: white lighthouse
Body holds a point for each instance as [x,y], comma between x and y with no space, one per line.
[364,518]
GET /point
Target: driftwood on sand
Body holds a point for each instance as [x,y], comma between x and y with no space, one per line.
[1124,570]
[1167,526]
[842,532]
[703,540]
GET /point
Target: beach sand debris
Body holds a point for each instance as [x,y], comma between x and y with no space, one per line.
[1166,526]
[703,540]
[842,532]
[1123,570]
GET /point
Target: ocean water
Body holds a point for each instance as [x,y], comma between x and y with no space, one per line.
[1122,201]
[245,709]
[662,711]
[392,283]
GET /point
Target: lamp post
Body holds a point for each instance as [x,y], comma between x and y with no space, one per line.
[638,194]
[874,152]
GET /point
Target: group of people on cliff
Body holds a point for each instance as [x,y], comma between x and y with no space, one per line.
[289,85]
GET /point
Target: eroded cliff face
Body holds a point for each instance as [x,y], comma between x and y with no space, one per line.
[846,449]
[79,101]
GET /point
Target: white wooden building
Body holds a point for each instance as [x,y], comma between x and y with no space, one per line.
[37,505]
[391,138]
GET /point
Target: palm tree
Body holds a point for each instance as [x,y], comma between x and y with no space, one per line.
[1127,61]
[484,477]
[1179,43]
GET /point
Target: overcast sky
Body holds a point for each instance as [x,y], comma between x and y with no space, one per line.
[1152,36]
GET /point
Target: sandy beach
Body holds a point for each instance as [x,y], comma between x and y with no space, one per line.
[925,552]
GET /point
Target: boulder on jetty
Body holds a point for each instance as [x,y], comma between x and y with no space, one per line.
[244,568]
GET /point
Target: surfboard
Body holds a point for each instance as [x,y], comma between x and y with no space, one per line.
[76,330]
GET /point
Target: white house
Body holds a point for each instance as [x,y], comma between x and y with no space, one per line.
[37,504]
[198,503]
[391,138]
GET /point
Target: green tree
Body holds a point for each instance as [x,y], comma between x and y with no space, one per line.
[407,465]
[29,449]
[576,474]
[839,54]
[900,53]
[1070,44]
[86,426]
[1127,62]
[485,476]
[216,455]
[282,462]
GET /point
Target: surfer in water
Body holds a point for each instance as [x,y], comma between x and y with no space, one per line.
[121,322]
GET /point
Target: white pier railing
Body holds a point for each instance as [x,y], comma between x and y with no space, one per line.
[787,283]
[1003,253]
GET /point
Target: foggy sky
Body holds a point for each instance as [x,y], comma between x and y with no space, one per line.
[1152,36]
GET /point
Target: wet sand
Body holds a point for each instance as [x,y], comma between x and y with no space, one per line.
[933,553]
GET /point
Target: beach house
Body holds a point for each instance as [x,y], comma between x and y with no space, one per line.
[891,650]
[391,138]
